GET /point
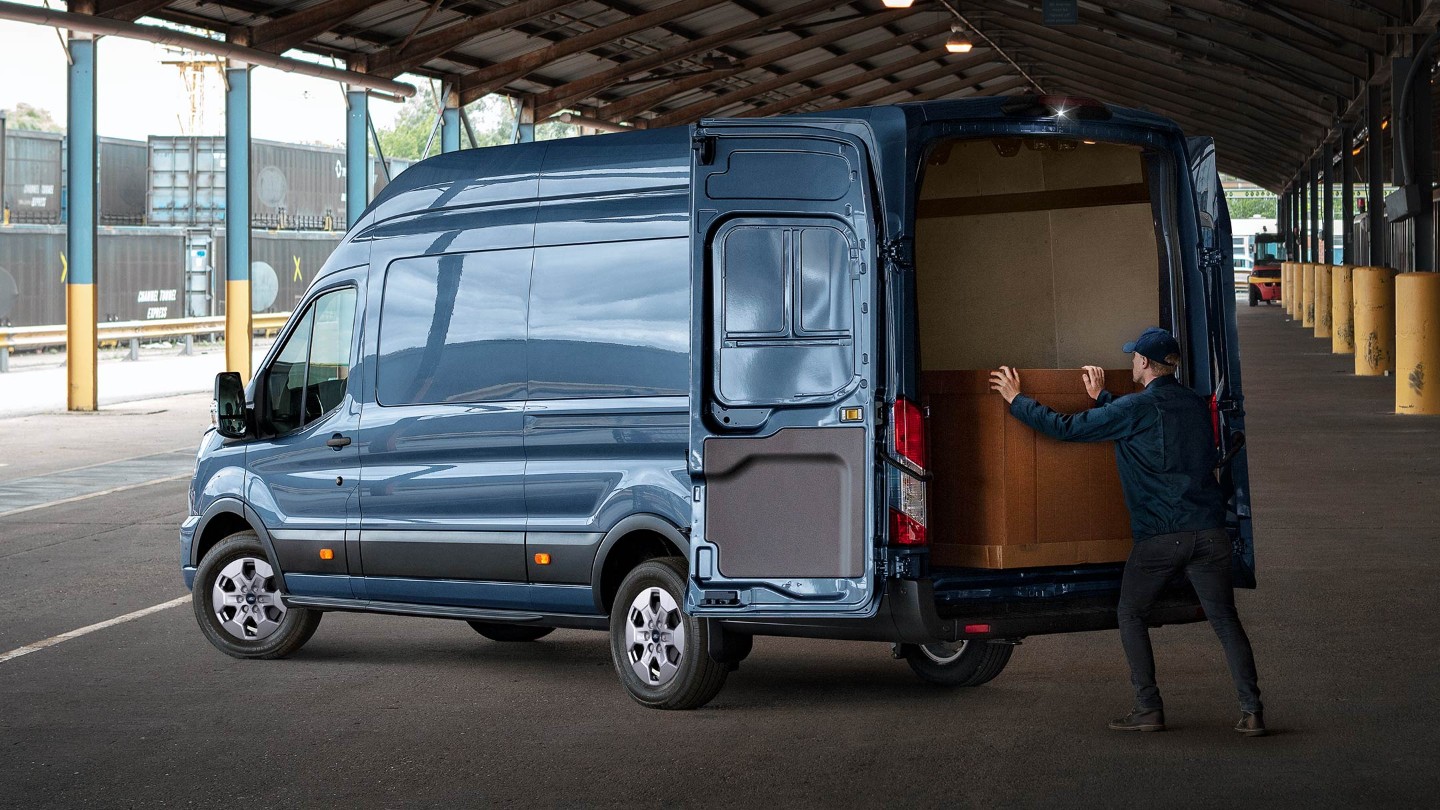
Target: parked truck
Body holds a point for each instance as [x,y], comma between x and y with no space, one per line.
[688,386]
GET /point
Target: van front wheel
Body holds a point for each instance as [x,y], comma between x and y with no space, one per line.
[239,604]
[660,653]
[969,662]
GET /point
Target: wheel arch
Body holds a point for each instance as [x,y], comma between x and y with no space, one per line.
[632,541]
[227,516]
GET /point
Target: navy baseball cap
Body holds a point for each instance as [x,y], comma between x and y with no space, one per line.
[1154,343]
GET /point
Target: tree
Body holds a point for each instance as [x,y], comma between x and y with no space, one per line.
[492,118]
[28,116]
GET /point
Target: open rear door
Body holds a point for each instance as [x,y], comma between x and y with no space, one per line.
[1216,265]
[782,397]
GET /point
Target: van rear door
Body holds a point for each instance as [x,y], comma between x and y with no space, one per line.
[1216,267]
[782,399]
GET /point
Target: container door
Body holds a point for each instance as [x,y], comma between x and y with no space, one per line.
[783,394]
[1216,268]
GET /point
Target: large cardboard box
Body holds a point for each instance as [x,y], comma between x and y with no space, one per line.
[1004,496]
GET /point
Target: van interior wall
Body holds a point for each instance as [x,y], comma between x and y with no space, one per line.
[1043,259]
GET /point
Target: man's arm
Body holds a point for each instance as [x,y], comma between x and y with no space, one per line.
[1114,421]
[1105,424]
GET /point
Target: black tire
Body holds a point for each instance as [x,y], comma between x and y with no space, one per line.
[697,677]
[295,624]
[1254,295]
[510,632]
[974,663]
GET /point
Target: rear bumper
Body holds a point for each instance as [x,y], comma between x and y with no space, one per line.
[908,615]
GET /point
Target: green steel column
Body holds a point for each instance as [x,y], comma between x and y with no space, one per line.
[1327,208]
[1314,241]
[1375,175]
[237,220]
[357,153]
[80,345]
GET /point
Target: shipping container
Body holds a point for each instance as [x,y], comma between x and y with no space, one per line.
[282,265]
[33,182]
[292,186]
[31,264]
[122,181]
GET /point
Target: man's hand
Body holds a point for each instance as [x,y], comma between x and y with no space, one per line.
[1005,382]
[1094,380]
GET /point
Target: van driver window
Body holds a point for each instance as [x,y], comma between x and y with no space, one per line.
[308,377]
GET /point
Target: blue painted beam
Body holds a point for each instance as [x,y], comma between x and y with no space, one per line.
[237,221]
[357,152]
[450,123]
[80,293]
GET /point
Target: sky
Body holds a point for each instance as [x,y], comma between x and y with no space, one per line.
[139,95]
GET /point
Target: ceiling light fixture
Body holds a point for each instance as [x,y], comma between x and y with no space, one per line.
[899,3]
[958,42]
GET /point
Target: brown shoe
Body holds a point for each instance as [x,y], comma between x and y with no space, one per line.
[1252,724]
[1140,720]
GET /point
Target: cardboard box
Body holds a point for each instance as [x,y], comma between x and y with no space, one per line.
[1004,496]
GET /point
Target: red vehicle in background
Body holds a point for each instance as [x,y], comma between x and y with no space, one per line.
[1264,280]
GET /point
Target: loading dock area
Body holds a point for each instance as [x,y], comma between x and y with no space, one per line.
[396,711]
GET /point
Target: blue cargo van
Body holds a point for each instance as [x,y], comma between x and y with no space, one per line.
[667,384]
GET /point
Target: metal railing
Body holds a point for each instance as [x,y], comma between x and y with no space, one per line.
[133,332]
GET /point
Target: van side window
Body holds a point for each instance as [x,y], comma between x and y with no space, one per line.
[610,319]
[452,329]
[308,377]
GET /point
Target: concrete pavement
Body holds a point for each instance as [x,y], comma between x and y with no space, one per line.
[398,712]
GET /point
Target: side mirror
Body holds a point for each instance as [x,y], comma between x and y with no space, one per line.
[230,420]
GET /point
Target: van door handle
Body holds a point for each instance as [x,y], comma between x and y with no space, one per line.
[338,441]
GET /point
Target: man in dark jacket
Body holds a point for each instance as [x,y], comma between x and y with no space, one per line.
[1164,443]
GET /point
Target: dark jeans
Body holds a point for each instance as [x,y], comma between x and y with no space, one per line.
[1205,558]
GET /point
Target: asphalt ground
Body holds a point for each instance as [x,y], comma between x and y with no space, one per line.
[397,712]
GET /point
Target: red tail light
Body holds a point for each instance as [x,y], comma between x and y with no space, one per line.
[906,531]
[1215,418]
[908,428]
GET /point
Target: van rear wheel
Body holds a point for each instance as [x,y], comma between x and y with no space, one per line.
[970,662]
[660,653]
[510,632]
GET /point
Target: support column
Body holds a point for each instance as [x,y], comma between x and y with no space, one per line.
[1374,321]
[1327,208]
[1417,343]
[1375,176]
[1422,139]
[80,300]
[357,154]
[1347,194]
[1314,240]
[450,121]
[238,320]
[525,124]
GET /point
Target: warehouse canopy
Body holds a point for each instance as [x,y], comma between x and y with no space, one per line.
[1269,80]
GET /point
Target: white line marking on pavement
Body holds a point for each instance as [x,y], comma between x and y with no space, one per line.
[109,491]
[128,617]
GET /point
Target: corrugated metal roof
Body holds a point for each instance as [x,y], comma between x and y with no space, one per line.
[1267,79]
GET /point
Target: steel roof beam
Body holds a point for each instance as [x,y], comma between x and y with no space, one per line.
[698,109]
[476,84]
[421,49]
[553,101]
[129,10]
[999,88]
[913,82]
[1165,84]
[630,105]
[848,82]
[1124,45]
[283,33]
[1313,38]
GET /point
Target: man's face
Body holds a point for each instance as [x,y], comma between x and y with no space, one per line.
[1137,367]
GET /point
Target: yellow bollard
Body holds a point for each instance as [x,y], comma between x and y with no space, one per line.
[1285,286]
[1307,295]
[1322,300]
[1342,310]
[1289,291]
[1417,343]
[1374,321]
